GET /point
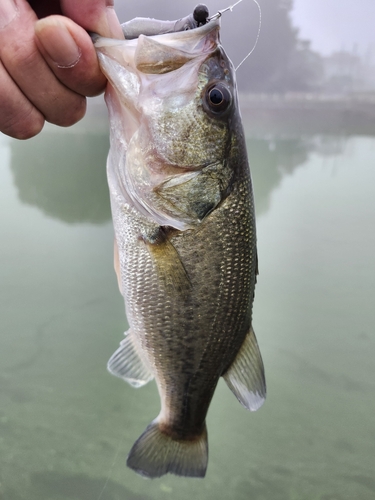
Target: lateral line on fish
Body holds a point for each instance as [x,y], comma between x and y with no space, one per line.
[231,7]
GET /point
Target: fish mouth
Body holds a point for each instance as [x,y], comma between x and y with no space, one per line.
[198,22]
[172,38]
[155,87]
[146,26]
[151,27]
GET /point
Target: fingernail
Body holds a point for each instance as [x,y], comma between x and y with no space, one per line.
[58,42]
[8,12]
[113,23]
[108,24]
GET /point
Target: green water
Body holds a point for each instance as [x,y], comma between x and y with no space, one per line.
[66,425]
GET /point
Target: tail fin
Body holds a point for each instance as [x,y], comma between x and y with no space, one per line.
[155,454]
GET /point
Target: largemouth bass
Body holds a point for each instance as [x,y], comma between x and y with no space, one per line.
[185,239]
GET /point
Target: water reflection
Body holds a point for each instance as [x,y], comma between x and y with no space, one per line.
[270,160]
[64,421]
[63,174]
[273,158]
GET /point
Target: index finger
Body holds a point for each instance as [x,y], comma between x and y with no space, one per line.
[94,15]
[30,91]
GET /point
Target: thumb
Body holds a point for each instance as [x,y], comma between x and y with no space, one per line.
[98,16]
[70,54]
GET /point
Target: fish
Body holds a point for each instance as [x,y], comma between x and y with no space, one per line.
[185,236]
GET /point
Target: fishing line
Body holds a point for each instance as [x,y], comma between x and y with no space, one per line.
[257,38]
[231,7]
[219,13]
[112,466]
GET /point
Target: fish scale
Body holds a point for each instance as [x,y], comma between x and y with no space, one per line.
[183,215]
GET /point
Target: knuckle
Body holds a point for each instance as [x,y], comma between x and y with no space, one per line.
[23,126]
[20,55]
[69,113]
[93,89]
[31,130]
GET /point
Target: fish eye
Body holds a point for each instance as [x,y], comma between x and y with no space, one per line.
[218,98]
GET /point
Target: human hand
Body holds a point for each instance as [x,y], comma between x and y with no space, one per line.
[47,67]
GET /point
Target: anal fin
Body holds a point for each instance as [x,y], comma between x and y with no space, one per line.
[245,377]
[128,364]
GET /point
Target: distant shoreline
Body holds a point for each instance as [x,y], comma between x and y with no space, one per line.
[284,115]
[291,113]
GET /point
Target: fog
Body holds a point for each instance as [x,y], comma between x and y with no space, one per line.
[331,25]
[334,25]
[321,46]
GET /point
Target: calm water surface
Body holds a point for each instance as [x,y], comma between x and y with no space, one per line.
[66,425]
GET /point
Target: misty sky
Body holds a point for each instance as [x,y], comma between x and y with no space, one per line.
[335,24]
[330,24]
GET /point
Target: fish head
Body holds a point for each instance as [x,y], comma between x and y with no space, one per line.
[172,101]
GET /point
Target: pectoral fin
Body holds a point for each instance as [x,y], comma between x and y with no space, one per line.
[168,263]
[128,364]
[245,377]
